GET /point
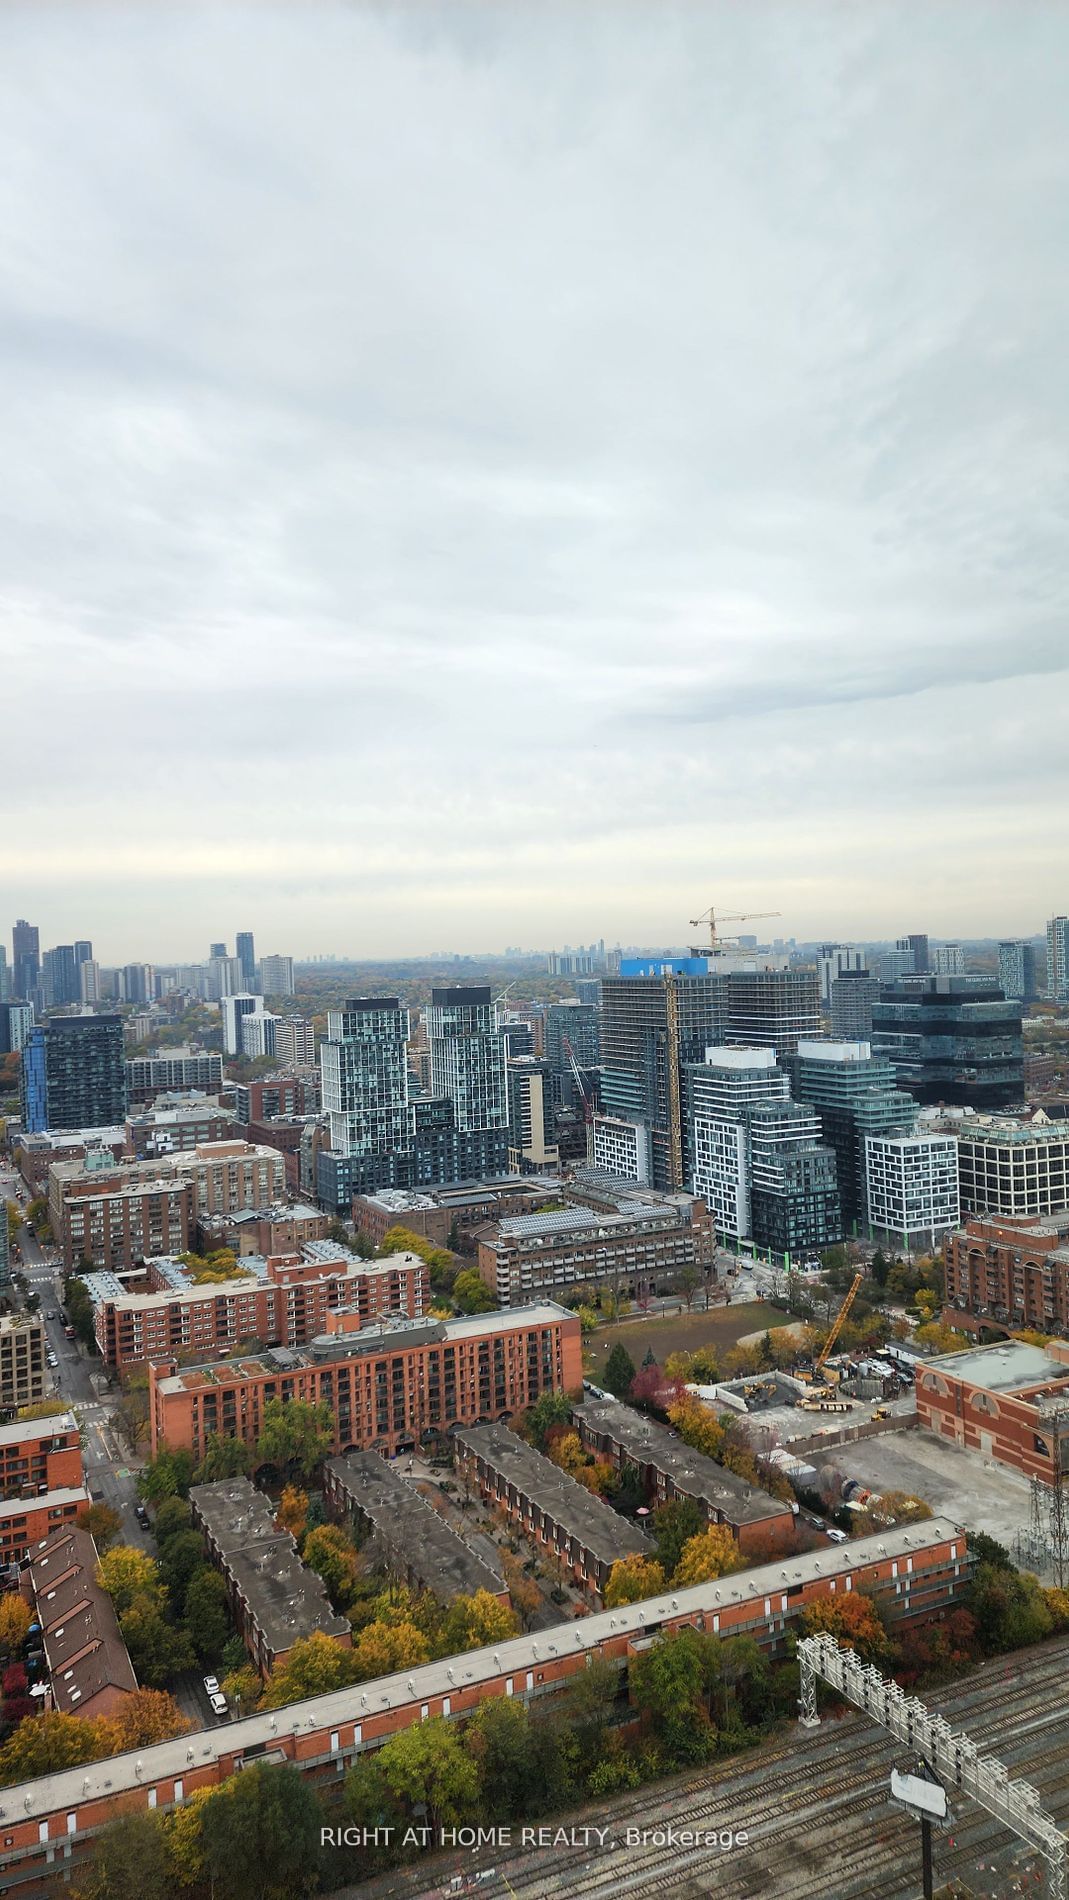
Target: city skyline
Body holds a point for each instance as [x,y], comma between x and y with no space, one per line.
[643,483]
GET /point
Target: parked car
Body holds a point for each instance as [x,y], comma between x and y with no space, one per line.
[220,1706]
[211,1685]
[837,1536]
[142,1516]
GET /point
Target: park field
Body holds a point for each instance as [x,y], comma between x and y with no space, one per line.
[722,1326]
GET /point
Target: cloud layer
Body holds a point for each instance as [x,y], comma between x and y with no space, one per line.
[516,475]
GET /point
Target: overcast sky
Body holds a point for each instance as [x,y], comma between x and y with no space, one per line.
[511,475]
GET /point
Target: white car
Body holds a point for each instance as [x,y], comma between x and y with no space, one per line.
[219,1705]
[211,1685]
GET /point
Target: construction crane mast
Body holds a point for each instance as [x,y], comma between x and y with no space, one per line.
[714,918]
[837,1327]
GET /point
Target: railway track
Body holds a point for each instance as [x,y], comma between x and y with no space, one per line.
[814,1805]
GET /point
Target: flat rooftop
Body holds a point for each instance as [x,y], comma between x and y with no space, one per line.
[404,1519]
[691,1472]
[70,1788]
[582,1514]
[21,1429]
[44,1501]
[287,1600]
[1008,1367]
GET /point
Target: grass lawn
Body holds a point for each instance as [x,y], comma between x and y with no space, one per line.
[722,1326]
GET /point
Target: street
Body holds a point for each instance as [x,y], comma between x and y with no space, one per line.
[79,1381]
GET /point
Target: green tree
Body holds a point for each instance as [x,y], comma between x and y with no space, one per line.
[158,1651]
[242,1689]
[181,1557]
[1009,1608]
[259,1834]
[985,1550]
[296,1436]
[674,1524]
[130,1859]
[670,1685]
[471,1292]
[428,1766]
[619,1371]
[548,1410]
[499,1738]
[223,1458]
[206,1614]
[173,1518]
[168,1475]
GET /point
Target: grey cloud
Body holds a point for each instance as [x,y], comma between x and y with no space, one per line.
[572,447]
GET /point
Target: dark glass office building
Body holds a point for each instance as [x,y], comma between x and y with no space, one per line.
[954,1039]
[74,1074]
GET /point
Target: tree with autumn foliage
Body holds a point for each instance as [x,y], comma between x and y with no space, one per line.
[474,1622]
[853,1620]
[713,1553]
[697,1426]
[314,1666]
[125,1573]
[381,1649]
[631,1579]
[53,1741]
[102,1522]
[330,1553]
[15,1620]
[147,1716]
[291,1513]
[525,1596]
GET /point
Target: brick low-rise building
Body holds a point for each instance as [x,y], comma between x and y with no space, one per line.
[116,1215]
[284,1300]
[389,1388]
[275,1600]
[371,1496]
[669,1470]
[1008,1402]
[89,1669]
[573,1524]
[917,1572]
[538,1254]
[1012,1271]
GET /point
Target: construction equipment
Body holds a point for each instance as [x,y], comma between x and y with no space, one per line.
[713,919]
[837,1326]
[582,1088]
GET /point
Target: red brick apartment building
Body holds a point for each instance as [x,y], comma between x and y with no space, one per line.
[1013,1269]
[389,1388]
[1009,1402]
[89,1669]
[48,1829]
[285,1300]
[41,1482]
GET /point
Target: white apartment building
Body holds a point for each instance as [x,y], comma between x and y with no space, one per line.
[622,1148]
[912,1185]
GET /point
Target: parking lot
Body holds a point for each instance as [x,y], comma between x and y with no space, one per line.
[957,1484]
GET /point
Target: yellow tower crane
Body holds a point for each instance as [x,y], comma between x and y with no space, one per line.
[713,918]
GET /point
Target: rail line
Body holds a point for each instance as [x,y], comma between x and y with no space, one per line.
[815,1807]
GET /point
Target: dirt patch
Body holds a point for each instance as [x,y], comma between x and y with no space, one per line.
[722,1326]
